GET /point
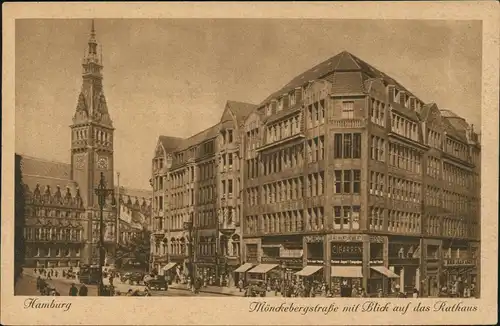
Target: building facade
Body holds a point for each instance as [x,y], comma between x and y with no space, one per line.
[61,213]
[196,199]
[351,179]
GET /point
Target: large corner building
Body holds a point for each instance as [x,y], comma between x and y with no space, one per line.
[343,175]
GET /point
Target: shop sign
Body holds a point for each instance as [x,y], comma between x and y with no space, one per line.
[273,260]
[347,249]
[376,239]
[291,261]
[459,262]
[346,262]
[346,238]
[376,262]
[315,262]
[314,238]
[210,260]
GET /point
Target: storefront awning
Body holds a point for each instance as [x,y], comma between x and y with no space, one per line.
[263,268]
[347,271]
[308,270]
[385,271]
[168,266]
[243,268]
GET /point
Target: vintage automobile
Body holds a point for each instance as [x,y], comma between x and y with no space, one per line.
[157,284]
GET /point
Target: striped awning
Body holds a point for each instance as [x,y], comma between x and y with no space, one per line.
[243,268]
[263,268]
[308,270]
[385,271]
[347,271]
[168,266]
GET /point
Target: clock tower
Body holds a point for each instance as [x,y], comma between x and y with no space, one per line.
[92,151]
[92,128]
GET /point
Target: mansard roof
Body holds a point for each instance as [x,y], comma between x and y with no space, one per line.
[342,62]
[170,143]
[49,169]
[241,109]
[199,138]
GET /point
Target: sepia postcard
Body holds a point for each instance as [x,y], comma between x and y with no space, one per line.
[250,163]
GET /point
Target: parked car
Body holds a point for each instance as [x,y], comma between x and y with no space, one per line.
[158,283]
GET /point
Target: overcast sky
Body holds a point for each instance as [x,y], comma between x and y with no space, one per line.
[173,76]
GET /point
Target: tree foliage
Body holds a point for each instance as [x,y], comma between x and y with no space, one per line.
[136,251]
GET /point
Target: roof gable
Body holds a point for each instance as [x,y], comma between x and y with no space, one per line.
[169,143]
[241,110]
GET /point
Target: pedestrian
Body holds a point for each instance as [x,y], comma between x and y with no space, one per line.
[240,284]
[146,293]
[129,293]
[73,291]
[35,270]
[38,282]
[111,278]
[83,291]
[415,293]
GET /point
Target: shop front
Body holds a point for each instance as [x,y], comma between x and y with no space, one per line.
[206,269]
[458,265]
[404,260]
[358,262]
[314,260]
[346,267]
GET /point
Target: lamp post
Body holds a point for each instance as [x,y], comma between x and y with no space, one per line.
[102,193]
[188,226]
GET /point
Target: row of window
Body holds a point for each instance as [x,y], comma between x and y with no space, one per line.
[48,212]
[346,217]
[53,233]
[52,252]
[377,149]
[183,177]
[404,127]
[347,145]
[377,181]
[206,218]
[433,167]
[253,138]
[433,196]
[227,188]
[206,194]
[283,222]
[457,203]
[403,222]
[347,181]
[182,199]
[377,112]
[206,171]
[227,136]
[315,114]
[284,190]
[434,139]
[402,189]
[227,161]
[315,149]
[376,218]
[283,129]
[458,228]
[404,158]
[433,226]
[457,149]
[456,175]
[281,160]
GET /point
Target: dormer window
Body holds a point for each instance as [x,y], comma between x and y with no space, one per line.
[292,99]
[280,104]
[397,95]
[269,111]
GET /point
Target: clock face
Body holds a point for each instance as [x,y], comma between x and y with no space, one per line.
[102,163]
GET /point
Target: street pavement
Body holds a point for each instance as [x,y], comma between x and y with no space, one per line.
[27,286]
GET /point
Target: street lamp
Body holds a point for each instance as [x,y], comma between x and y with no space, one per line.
[102,193]
[188,226]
